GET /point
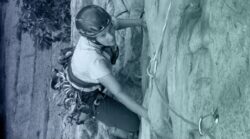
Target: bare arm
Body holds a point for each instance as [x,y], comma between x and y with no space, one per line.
[124,23]
[115,88]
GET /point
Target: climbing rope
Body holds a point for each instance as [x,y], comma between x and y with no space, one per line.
[154,60]
[151,72]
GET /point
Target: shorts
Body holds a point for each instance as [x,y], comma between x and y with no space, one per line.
[114,114]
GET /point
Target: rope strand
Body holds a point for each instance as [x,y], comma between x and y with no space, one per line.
[154,63]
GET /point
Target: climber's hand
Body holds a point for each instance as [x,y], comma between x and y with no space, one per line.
[110,82]
[143,23]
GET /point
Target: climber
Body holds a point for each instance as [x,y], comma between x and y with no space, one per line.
[90,70]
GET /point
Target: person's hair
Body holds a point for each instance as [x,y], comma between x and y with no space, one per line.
[91,20]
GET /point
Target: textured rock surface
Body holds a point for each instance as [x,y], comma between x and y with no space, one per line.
[202,64]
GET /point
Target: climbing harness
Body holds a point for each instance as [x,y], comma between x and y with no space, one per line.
[151,72]
[72,100]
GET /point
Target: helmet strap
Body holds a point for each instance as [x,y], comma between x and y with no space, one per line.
[93,40]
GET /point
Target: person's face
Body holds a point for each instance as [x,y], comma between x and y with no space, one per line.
[107,36]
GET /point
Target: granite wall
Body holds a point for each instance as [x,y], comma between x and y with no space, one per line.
[202,65]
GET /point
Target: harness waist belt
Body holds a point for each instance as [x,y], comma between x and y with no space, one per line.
[79,84]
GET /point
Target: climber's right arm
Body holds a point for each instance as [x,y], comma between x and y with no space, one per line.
[116,89]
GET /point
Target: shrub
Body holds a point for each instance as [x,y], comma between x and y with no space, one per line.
[47,21]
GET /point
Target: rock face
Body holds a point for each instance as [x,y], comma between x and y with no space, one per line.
[193,59]
[202,65]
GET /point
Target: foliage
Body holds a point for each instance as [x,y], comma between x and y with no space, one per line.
[47,21]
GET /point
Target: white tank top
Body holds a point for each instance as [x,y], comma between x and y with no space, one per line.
[87,62]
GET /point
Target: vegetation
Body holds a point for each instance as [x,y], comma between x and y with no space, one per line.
[47,21]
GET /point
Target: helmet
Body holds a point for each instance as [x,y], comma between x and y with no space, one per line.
[91,20]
